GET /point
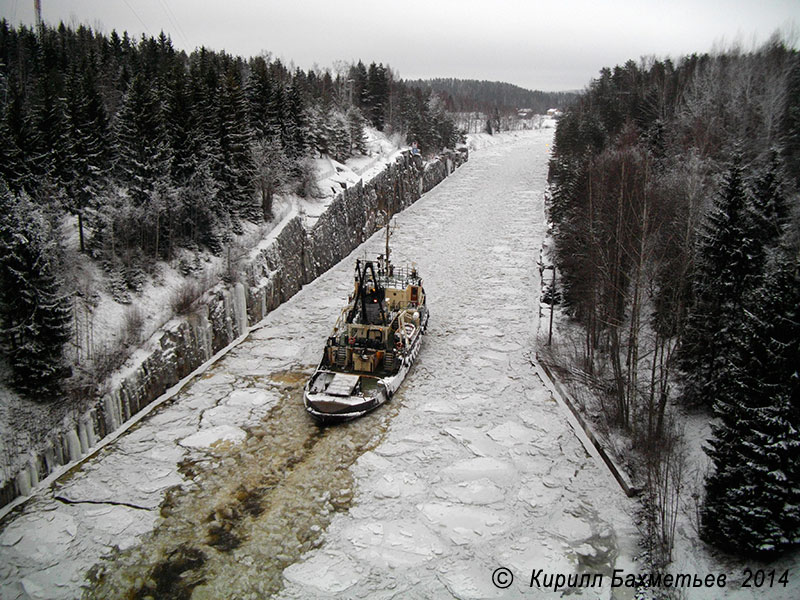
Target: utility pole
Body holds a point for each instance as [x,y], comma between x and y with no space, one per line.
[37,8]
[552,306]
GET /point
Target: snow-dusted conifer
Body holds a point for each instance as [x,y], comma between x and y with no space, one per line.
[359,93]
[86,133]
[727,266]
[233,133]
[260,92]
[142,152]
[340,138]
[355,129]
[199,211]
[50,157]
[12,160]
[319,128]
[35,316]
[752,502]
[769,202]
[294,132]
[19,171]
[377,94]
[413,109]
[179,120]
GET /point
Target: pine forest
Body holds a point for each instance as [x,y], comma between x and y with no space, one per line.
[152,150]
[674,201]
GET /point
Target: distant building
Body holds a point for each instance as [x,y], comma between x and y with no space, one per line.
[554,112]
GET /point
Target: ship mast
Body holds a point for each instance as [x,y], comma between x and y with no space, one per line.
[388,234]
[387,266]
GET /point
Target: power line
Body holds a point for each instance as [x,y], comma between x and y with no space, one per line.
[174,21]
[135,14]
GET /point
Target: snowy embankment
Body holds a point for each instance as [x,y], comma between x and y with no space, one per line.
[36,438]
[745,579]
[154,300]
[691,556]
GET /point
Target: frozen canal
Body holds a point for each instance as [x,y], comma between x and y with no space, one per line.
[472,466]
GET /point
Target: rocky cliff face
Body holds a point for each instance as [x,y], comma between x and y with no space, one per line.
[273,274]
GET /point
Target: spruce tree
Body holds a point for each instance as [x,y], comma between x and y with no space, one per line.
[208,164]
[199,212]
[295,132]
[277,122]
[35,316]
[727,266]
[86,135]
[49,152]
[233,134]
[318,119]
[377,95]
[752,504]
[178,116]
[259,91]
[770,210]
[413,110]
[359,93]
[13,167]
[340,136]
[141,148]
[355,127]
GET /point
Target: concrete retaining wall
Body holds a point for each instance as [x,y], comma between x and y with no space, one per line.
[274,274]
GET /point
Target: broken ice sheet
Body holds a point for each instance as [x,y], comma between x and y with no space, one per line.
[501,472]
[251,397]
[41,537]
[395,484]
[120,478]
[330,572]
[538,496]
[479,491]
[466,582]
[205,438]
[465,524]
[476,440]
[392,544]
[511,433]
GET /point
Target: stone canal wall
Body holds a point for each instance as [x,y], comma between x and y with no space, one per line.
[273,273]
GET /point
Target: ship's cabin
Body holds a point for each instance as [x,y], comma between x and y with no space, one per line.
[377,327]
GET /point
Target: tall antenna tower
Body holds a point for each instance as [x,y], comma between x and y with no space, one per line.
[37,8]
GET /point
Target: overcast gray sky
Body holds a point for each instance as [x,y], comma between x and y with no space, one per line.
[555,45]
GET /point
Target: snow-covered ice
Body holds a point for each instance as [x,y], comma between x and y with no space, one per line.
[219,433]
[478,467]
[498,477]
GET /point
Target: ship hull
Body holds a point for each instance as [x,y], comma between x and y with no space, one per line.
[355,394]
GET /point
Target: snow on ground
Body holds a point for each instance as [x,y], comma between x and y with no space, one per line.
[479,468]
[693,555]
[477,141]
[101,321]
[333,176]
[690,554]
